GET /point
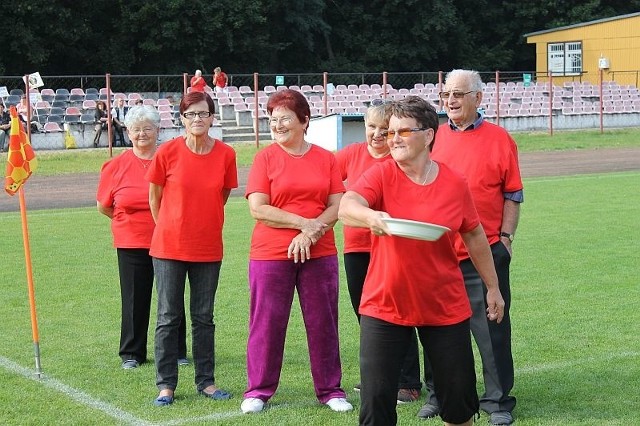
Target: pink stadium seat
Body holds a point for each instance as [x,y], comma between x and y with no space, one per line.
[77,91]
[318,88]
[166,115]
[51,127]
[167,124]
[245,90]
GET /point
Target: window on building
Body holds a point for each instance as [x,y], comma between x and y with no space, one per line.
[565,58]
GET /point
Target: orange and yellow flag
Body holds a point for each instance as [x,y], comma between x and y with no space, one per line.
[21,159]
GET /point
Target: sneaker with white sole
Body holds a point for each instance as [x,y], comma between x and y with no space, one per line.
[252,405]
[339,404]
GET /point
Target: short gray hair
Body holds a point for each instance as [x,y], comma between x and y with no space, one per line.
[141,113]
[470,76]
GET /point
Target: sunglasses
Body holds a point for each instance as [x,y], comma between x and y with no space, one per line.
[402,132]
[456,95]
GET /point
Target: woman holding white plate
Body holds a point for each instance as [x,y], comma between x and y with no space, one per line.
[413,282]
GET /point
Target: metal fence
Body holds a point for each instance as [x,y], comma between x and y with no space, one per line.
[157,86]
[161,86]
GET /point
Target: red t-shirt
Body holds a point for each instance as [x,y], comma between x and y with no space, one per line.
[199,86]
[220,80]
[488,157]
[191,212]
[413,282]
[297,185]
[122,186]
[353,161]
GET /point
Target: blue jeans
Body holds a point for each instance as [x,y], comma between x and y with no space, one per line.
[170,283]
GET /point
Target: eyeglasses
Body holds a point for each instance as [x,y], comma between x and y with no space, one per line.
[378,102]
[191,115]
[146,130]
[456,95]
[390,134]
[274,121]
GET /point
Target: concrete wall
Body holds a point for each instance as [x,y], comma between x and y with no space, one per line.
[569,122]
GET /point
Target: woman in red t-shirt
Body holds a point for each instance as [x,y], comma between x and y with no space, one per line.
[417,284]
[198,83]
[353,161]
[123,196]
[293,189]
[190,178]
[220,79]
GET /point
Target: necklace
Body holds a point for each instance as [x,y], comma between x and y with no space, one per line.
[307,148]
[428,171]
[144,161]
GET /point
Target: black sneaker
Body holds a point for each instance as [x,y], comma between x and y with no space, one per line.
[428,411]
[130,364]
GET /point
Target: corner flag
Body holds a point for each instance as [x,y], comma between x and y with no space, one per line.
[21,159]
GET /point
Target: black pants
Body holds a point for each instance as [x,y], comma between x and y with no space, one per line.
[118,132]
[355,266]
[383,346]
[493,339]
[136,286]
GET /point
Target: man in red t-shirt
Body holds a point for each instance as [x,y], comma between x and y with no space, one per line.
[488,157]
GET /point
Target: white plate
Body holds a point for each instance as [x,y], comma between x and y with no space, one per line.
[413,229]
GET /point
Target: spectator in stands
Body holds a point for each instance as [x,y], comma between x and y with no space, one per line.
[220,80]
[190,178]
[118,113]
[123,196]
[5,127]
[22,108]
[353,161]
[101,122]
[198,83]
[293,190]
[139,102]
[487,156]
[412,283]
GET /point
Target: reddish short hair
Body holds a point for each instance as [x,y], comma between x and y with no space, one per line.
[290,99]
[195,97]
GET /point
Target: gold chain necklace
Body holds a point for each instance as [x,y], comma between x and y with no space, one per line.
[145,162]
[307,148]
[428,171]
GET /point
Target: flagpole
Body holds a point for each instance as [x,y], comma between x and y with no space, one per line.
[32,297]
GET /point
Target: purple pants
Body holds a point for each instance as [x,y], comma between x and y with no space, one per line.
[272,284]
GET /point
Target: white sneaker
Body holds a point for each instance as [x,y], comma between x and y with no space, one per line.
[339,404]
[252,405]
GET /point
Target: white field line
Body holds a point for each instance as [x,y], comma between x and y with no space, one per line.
[75,394]
[128,418]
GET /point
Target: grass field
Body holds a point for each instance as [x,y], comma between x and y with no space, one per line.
[90,160]
[575,285]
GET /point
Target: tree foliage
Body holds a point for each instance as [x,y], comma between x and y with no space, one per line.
[67,37]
